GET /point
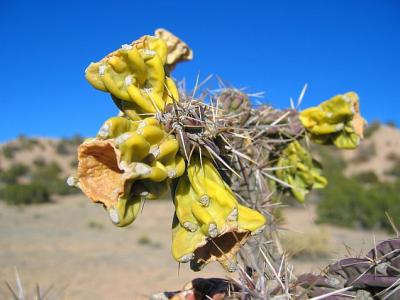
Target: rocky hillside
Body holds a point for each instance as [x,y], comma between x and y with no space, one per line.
[379,153]
[40,160]
[32,152]
[33,170]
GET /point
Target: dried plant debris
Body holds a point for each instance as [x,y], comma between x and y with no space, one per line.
[225,161]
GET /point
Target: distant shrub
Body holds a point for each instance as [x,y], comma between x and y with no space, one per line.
[11,175]
[95,225]
[340,203]
[27,143]
[9,151]
[394,170]
[76,140]
[393,156]
[67,146]
[39,162]
[350,202]
[17,194]
[49,176]
[364,153]
[391,123]
[367,177]
[74,163]
[144,240]
[369,131]
[47,171]
[62,148]
[312,244]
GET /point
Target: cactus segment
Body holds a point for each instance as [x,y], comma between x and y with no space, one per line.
[134,75]
[297,168]
[212,230]
[118,169]
[335,121]
[233,101]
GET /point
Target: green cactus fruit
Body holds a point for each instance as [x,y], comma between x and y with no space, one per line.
[134,75]
[336,121]
[210,225]
[121,166]
[296,167]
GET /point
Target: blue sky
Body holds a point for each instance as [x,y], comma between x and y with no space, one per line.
[271,46]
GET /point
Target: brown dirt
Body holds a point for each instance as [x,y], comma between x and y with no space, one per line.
[72,242]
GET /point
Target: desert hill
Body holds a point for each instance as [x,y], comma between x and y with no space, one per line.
[379,153]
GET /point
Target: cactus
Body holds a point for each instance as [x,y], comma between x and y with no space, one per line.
[209,223]
[296,167]
[126,162]
[238,157]
[335,121]
[135,76]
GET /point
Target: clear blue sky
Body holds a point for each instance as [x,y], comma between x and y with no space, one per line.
[271,46]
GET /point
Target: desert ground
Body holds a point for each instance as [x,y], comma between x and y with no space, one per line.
[72,247]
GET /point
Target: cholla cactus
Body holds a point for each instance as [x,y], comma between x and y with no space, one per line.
[224,161]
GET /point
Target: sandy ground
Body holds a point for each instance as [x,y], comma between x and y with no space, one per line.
[71,243]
